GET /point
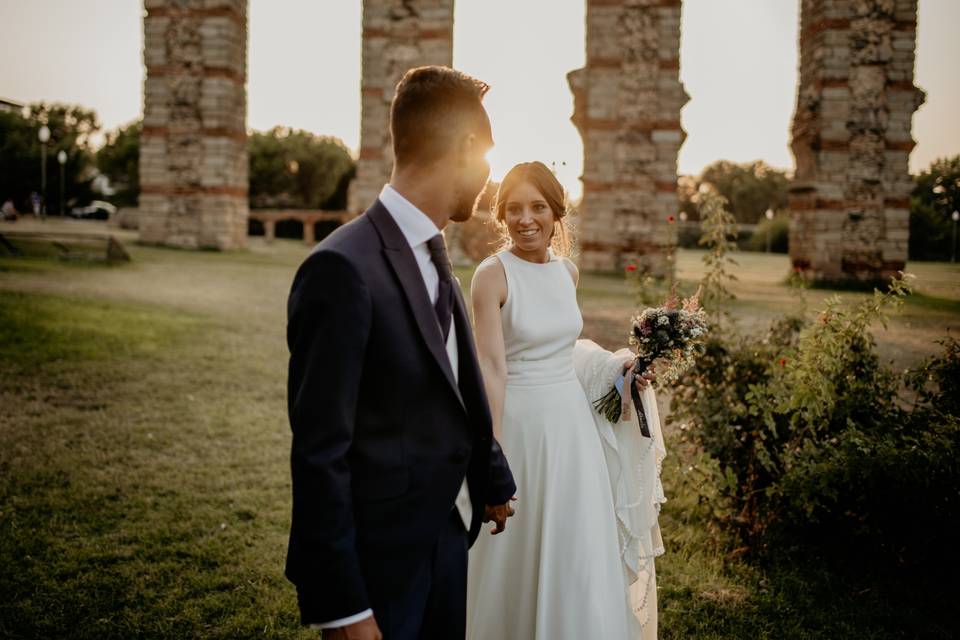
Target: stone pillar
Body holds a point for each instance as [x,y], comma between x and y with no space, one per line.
[193,149]
[852,139]
[627,103]
[397,35]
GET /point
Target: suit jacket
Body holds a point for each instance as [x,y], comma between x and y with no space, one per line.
[382,433]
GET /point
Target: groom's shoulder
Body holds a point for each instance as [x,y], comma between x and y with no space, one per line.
[356,242]
[356,235]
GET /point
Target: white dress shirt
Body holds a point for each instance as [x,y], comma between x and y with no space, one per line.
[417,228]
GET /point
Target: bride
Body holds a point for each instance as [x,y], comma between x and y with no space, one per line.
[577,561]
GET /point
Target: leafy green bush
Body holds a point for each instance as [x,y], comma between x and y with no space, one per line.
[688,234]
[819,443]
[930,232]
[779,230]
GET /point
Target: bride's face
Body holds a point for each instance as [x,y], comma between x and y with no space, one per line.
[529,218]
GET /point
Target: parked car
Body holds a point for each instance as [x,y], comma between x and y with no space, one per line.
[96,210]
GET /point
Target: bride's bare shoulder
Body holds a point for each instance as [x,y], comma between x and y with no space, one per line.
[489,278]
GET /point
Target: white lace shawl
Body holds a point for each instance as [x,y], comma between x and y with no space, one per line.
[633,465]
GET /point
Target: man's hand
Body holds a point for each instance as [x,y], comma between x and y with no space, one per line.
[499,515]
[366,629]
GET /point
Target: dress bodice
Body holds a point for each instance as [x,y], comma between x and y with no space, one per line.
[541,318]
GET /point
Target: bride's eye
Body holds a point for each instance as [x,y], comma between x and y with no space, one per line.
[539,207]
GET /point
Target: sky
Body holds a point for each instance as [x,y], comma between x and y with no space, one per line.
[738,63]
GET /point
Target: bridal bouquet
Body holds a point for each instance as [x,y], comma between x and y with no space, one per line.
[673,335]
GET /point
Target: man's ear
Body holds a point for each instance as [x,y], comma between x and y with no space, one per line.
[465,148]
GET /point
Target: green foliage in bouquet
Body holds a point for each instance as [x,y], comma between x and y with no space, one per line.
[820,444]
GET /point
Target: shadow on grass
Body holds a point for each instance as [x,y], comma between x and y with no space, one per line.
[707,593]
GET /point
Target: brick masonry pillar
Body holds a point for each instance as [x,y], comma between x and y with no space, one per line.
[397,36]
[627,102]
[852,139]
[193,149]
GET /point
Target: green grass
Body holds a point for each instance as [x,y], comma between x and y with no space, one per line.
[145,485]
[144,482]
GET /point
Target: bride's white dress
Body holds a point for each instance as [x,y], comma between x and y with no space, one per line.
[558,570]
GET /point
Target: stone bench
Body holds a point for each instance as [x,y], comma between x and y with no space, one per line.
[69,245]
[308,217]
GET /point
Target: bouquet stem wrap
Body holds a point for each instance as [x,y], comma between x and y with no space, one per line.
[610,406]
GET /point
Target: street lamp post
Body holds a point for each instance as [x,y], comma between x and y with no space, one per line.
[955,216]
[769,216]
[44,135]
[62,159]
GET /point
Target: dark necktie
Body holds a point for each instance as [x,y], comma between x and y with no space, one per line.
[444,305]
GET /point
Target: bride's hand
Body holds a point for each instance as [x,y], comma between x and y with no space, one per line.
[498,514]
[641,381]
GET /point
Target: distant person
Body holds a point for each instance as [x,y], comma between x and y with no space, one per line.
[393,458]
[36,204]
[8,211]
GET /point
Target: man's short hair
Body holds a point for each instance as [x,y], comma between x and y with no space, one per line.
[432,108]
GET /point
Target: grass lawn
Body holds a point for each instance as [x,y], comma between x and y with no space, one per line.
[144,483]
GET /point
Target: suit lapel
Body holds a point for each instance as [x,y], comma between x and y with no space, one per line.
[404,264]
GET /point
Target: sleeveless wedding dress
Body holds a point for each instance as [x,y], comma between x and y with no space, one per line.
[556,572]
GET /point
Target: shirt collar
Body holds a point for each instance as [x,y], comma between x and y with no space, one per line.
[414,224]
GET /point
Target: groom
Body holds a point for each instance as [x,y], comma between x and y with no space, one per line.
[393,458]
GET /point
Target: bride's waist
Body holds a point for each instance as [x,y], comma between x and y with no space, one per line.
[525,373]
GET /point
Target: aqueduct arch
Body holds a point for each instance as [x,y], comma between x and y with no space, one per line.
[851,131]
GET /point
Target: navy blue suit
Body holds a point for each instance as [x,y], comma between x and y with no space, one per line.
[382,436]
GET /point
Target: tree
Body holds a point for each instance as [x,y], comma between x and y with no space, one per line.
[750,188]
[297,169]
[119,160]
[936,195]
[288,169]
[687,192]
[71,128]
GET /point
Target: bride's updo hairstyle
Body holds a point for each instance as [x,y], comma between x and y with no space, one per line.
[542,179]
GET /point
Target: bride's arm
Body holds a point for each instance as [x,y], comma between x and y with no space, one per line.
[488,292]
